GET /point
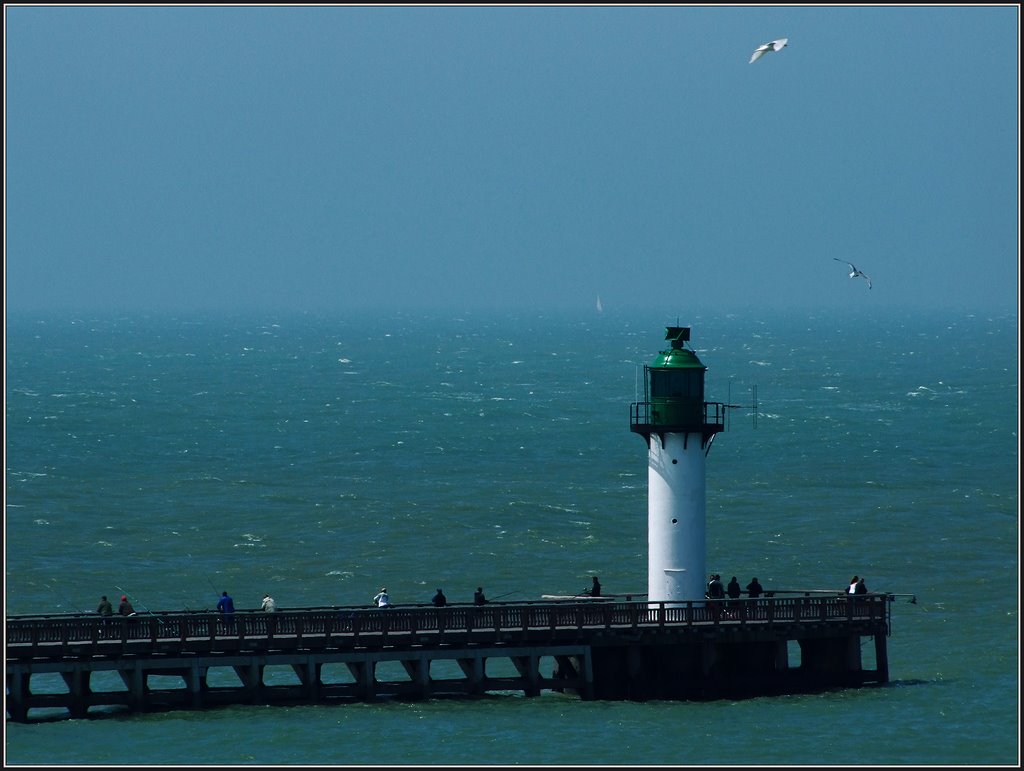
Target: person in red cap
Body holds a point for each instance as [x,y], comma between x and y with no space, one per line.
[125,608]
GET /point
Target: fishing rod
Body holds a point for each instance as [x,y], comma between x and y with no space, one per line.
[187,605]
[912,600]
[205,576]
[63,599]
[506,594]
[134,602]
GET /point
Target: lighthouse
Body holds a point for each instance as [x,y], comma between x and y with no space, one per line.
[679,427]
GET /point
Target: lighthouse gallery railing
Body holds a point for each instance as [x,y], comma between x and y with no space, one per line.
[643,414]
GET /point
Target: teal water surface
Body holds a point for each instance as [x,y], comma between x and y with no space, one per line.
[320,458]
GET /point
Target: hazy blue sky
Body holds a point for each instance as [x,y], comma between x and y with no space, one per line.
[331,158]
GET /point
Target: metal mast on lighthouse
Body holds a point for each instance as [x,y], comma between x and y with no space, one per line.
[679,427]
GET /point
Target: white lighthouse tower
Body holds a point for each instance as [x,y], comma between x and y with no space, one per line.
[679,427]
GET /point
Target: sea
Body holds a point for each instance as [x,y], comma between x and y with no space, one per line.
[318,458]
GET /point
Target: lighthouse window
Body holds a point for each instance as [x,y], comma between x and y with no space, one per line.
[677,383]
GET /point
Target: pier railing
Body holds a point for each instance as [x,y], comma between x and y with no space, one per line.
[351,627]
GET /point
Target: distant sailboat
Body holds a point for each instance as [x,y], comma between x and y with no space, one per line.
[600,308]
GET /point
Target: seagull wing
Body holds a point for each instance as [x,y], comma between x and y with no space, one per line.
[775,45]
[854,272]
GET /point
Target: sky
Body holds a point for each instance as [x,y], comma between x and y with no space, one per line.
[337,158]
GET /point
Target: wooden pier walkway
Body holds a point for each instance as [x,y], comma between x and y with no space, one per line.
[596,648]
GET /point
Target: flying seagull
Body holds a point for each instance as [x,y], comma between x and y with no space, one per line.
[855,272]
[767,48]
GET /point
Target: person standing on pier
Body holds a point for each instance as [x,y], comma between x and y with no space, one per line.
[439,600]
[715,590]
[595,590]
[269,606]
[382,599]
[852,588]
[734,591]
[754,588]
[861,587]
[105,609]
[225,604]
[125,608]
[478,596]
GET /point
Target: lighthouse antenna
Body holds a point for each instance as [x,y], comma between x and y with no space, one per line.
[728,400]
[728,407]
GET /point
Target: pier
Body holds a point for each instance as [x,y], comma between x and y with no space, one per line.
[593,648]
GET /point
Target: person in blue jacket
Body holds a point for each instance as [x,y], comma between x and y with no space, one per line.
[225,604]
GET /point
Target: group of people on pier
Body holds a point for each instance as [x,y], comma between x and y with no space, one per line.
[716,591]
[226,604]
[106,610]
[383,600]
[439,600]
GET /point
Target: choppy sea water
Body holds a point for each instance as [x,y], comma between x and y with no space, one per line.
[320,458]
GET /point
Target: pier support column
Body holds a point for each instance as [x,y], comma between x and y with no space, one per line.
[195,684]
[77,681]
[781,655]
[528,669]
[309,675]
[831,661]
[17,696]
[474,670]
[370,680]
[136,680]
[587,661]
[881,658]
[419,672]
[853,658]
[365,676]
[565,670]
[251,677]
[575,674]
